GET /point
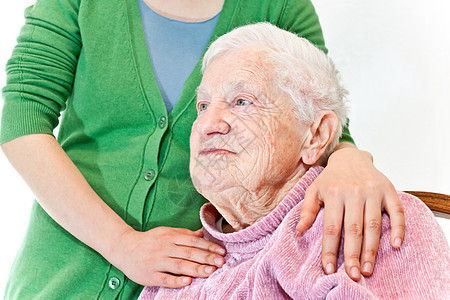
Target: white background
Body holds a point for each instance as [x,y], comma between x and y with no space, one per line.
[393,60]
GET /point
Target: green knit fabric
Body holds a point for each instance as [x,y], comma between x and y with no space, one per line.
[89,59]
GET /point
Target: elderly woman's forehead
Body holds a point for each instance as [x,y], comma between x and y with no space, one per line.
[248,57]
[256,56]
[233,84]
[239,70]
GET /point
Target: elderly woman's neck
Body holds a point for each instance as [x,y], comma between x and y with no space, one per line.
[241,207]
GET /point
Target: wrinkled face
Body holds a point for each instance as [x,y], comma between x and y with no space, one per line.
[246,134]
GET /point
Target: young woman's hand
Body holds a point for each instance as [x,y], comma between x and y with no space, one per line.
[150,258]
[167,257]
[355,193]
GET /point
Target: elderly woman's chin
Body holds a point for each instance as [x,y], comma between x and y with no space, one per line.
[212,171]
[205,177]
[202,178]
[209,179]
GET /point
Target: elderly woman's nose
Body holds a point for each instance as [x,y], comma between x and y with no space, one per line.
[214,121]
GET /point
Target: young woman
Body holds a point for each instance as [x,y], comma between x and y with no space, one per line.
[125,74]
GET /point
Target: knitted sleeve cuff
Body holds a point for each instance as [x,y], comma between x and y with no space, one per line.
[26,117]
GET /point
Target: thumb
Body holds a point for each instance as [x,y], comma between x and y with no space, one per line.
[310,208]
[199,232]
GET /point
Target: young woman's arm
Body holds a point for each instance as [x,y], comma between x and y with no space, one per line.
[354,193]
[145,257]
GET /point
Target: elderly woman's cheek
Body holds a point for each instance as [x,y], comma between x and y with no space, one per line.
[194,138]
[258,163]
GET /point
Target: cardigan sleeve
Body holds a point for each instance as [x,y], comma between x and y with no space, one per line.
[41,70]
[300,16]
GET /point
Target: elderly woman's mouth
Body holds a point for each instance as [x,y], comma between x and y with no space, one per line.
[215,151]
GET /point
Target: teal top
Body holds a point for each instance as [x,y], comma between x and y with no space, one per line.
[90,60]
[175,47]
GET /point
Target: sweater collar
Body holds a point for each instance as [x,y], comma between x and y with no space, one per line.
[259,233]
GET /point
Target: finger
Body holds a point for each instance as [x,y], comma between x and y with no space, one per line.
[372,230]
[196,255]
[394,208]
[310,208]
[171,281]
[191,240]
[178,266]
[186,231]
[199,232]
[353,226]
[332,224]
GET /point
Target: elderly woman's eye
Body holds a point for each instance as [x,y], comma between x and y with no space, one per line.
[242,102]
[202,106]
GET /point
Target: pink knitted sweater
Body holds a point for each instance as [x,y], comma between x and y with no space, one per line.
[268,261]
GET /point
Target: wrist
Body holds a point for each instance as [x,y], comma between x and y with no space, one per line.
[350,152]
[114,249]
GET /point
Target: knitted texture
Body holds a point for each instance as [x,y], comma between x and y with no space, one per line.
[268,261]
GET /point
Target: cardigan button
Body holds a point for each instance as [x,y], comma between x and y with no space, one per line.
[114,283]
[162,122]
[149,175]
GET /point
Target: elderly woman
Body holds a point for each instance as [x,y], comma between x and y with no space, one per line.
[270,109]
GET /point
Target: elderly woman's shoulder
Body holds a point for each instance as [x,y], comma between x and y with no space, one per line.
[419,220]
[414,207]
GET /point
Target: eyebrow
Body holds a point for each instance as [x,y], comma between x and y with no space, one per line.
[233,86]
[200,90]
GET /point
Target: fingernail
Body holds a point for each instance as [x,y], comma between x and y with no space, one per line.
[329,268]
[367,267]
[354,272]
[220,251]
[185,280]
[218,261]
[300,224]
[208,269]
[398,242]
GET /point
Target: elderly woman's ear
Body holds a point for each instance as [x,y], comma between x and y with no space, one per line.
[319,135]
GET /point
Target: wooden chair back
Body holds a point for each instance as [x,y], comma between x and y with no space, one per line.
[435,202]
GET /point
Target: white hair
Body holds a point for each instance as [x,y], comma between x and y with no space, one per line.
[302,71]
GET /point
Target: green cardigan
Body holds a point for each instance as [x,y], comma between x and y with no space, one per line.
[90,60]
